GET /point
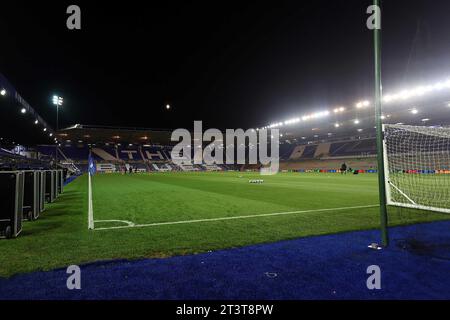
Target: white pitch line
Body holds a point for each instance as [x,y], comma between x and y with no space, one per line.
[128,223]
[233,218]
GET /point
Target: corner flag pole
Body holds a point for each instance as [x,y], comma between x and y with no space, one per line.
[378,122]
[90,208]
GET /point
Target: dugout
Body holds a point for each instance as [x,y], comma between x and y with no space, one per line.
[11,206]
[41,193]
[50,186]
[60,181]
[56,184]
[31,195]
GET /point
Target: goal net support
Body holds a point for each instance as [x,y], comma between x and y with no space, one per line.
[417,167]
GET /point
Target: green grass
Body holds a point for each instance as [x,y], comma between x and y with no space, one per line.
[61,238]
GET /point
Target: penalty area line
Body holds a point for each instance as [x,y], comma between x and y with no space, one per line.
[232,218]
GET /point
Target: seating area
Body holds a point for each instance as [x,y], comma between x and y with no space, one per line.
[353,148]
[11,161]
[119,158]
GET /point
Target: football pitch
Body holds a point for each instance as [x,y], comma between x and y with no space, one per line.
[166,214]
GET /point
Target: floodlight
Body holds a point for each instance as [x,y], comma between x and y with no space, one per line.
[23,110]
[168,106]
[414,111]
[45,129]
[3,92]
[57,101]
[337,125]
[356,121]
[36,122]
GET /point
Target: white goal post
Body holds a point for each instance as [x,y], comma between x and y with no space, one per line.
[417,167]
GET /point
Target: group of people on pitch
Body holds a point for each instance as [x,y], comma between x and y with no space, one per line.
[344,169]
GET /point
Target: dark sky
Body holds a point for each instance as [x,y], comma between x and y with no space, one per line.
[229,63]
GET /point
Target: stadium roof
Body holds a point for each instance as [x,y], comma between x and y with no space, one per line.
[21,124]
[114,135]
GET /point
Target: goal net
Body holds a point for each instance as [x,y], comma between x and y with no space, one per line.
[417,167]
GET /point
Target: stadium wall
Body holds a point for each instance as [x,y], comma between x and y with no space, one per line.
[330,164]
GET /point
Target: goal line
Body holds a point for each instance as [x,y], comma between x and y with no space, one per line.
[130,225]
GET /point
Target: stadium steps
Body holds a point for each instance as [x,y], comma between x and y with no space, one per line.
[323,150]
[103,154]
[297,153]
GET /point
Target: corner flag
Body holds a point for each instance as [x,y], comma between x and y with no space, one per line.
[92,169]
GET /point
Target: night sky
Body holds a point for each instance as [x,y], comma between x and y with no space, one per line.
[229,63]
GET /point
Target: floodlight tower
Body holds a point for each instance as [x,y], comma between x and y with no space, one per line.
[57,101]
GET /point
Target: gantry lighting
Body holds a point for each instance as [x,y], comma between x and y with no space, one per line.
[403,95]
[363,104]
[338,110]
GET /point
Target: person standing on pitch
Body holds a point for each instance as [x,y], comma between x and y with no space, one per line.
[343,168]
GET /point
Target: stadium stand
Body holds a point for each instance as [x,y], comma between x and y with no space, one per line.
[117,158]
[353,148]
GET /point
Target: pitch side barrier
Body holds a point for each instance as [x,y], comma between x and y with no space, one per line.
[11,206]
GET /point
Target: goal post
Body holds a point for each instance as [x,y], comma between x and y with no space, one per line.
[417,167]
